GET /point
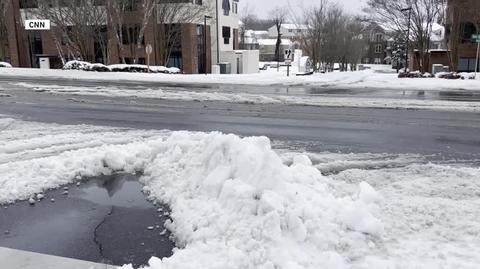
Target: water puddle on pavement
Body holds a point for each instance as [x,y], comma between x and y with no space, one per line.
[105,219]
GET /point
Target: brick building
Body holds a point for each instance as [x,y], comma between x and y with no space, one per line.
[376,50]
[463,21]
[25,48]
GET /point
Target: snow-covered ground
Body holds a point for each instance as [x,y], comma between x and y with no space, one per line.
[378,77]
[249,98]
[238,203]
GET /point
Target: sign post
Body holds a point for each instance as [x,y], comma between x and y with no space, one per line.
[288,60]
[477,39]
[148,50]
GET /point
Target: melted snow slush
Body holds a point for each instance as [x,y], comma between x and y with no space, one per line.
[105,219]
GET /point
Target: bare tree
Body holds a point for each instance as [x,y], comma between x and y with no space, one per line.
[75,25]
[424,13]
[168,16]
[3,29]
[278,18]
[126,35]
[332,37]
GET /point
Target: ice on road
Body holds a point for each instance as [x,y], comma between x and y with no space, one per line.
[239,203]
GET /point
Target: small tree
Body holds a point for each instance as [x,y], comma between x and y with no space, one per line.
[278,17]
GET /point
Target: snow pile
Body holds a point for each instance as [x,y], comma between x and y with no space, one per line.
[234,203]
[132,68]
[6,65]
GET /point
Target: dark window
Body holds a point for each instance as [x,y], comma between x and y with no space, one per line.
[132,5]
[466,64]
[99,2]
[226,34]
[130,35]
[469,29]
[28,3]
[226,7]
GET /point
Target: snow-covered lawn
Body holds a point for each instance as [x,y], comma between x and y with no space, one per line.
[238,203]
[248,98]
[374,78]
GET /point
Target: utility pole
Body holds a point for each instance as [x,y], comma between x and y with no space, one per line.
[205,43]
[477,39]
[409,9]
[217,31]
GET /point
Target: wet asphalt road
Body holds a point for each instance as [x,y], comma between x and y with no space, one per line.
[105,219]
[445,135]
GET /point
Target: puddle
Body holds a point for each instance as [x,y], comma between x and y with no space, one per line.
[106,219]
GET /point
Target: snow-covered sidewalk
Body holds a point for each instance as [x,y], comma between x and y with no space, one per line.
[237,203]
[374,79]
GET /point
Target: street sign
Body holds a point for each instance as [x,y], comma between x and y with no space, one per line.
[149,49]
[288,54]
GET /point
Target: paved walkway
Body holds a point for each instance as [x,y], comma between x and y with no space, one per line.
[17,259]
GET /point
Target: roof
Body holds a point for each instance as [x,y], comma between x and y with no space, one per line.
[273,42]
[295,26]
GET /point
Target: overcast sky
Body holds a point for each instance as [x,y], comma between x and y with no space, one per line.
[262,7]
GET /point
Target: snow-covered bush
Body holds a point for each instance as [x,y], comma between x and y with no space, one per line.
[5,65]
[76,65]
[131,68]
[448,75]
[467,75]
[98,68]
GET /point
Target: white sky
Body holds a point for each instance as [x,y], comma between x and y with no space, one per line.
[262,7]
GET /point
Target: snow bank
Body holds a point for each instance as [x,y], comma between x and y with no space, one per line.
[6,65]
[234,203]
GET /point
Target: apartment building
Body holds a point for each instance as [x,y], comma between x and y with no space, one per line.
[463,21]
[187,51]
[376,50]
[225,24]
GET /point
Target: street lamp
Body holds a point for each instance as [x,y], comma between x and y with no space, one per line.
[205,42]
[409,9]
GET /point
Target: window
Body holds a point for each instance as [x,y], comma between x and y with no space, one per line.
[132,5]
[466,64]
[234,7]
[226,7]
[378,49]
[99,3]
[469,29]
[130,35]
[226,34]
[28,3]
[378,37]
[198,2]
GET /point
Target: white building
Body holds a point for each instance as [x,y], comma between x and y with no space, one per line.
[225,37]
[288,30]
